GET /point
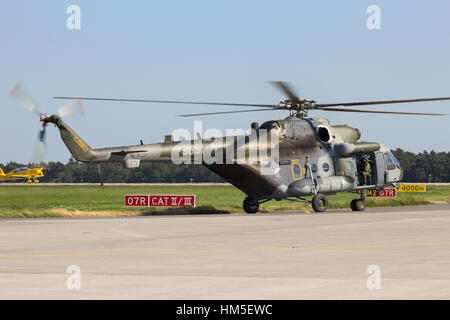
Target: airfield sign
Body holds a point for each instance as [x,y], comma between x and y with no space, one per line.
[382,193]
[412,187]
[159,200]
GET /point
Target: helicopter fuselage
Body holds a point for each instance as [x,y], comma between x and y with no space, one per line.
[281,159]
[312,157]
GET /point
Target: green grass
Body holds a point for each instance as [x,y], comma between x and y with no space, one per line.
[52,201]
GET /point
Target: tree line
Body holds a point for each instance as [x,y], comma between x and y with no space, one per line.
[421,167]
[424,166]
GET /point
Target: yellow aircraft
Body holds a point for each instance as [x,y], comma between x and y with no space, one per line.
[22,173]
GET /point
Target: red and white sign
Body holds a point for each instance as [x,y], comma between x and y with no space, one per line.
[159,200]
[136,200]
[384,193]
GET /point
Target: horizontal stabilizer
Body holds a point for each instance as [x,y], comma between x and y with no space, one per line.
[125,152]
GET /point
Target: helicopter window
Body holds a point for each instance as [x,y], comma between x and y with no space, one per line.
[297,171]
[314,168]
[397,163]
[390,163]
[349,165]
[326,167]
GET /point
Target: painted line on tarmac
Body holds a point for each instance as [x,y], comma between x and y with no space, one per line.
[144,253]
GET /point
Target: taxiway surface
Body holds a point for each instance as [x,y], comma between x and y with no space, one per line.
[262,256]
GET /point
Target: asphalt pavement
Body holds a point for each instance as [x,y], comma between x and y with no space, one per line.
[389,253]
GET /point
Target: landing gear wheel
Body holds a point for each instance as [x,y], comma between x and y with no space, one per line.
[358,205]
[352,204]
[250,205]
[320,202]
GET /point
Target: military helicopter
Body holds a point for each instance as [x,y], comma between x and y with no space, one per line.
[314,157]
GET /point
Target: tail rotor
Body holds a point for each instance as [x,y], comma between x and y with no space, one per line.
[72,108]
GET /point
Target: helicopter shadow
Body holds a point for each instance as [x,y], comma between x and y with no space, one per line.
[206,210]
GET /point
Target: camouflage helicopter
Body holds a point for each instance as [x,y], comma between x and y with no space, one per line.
[314,158]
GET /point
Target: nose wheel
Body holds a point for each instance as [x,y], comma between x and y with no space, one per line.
[359,204]
[250,205]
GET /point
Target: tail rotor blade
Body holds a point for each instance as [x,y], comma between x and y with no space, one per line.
[72,108]
[24,99]
[39,149]
[39,152]
[41,135]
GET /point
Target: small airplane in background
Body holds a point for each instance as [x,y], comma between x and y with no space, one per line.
[22,173]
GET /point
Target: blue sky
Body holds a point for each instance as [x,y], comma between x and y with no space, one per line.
[221,51]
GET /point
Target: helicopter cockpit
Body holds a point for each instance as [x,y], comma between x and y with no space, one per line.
[18,170]
[393,171]
[378,168]
[391,161]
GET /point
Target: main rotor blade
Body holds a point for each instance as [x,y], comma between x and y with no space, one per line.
[173,102]
[365,103]
[287,90]
[211,113]
[378,111]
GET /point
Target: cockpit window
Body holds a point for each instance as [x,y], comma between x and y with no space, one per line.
[391,162]
[397,163]
[20,170]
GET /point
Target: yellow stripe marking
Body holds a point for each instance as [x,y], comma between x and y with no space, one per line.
[224,251]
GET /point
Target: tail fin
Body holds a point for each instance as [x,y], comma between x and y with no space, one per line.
[79,149]
[1,172]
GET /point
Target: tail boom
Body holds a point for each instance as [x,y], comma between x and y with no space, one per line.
[79,149]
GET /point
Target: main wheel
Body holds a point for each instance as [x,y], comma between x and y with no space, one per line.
[352,204]
[358,204]
[250,205]
[320,202]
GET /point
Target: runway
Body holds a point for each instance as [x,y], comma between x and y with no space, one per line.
[237,256]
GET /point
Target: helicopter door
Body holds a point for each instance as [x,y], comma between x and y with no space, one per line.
[297,170]
[381,167]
